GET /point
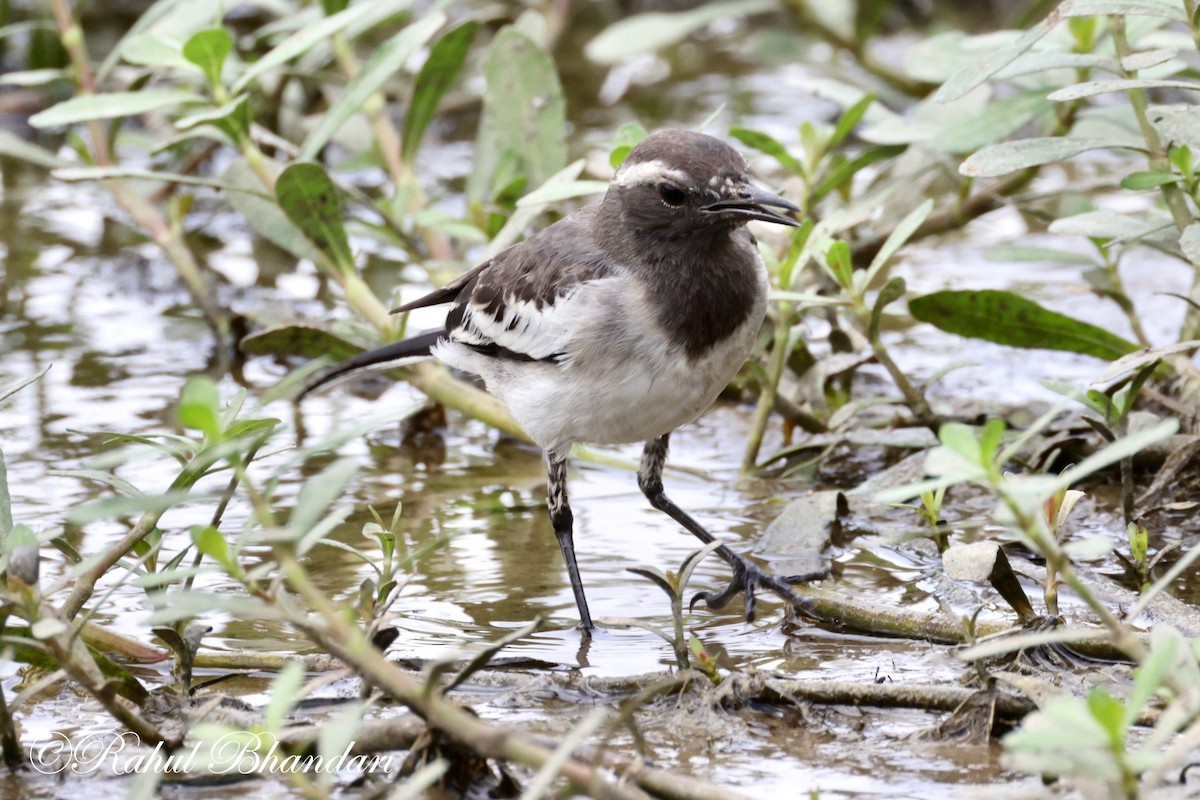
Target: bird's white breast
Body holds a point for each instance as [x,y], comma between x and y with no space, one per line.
[622,379]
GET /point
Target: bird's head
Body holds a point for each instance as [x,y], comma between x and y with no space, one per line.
[679,182]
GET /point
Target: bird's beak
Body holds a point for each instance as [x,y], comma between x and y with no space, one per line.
[751,202]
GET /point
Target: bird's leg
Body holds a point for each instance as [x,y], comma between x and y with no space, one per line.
[563,521]
[746,576]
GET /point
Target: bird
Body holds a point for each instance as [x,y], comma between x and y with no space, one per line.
[617,324]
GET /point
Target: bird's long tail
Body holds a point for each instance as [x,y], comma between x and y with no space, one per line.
[408,349]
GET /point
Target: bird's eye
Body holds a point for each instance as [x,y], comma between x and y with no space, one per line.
[671,195]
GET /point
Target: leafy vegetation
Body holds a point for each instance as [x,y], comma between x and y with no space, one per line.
[312,126]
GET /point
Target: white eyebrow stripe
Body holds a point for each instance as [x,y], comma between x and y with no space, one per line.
[648,172]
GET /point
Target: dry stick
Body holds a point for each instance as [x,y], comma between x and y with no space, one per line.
[347,642]
[891,695]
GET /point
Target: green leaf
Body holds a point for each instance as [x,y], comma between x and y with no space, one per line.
[232,118]
[896,239]
[1150,673]
[1009,319]
[73,174]
[848,168]
[646,33]
[849,120]
[300,41]
[1093,88]
[1180,157]
[1087,399]
[319,492]
[1026,253]
[251,429]
[211,542]
[152,50]
[436,77]
[6,520]
[32,77]
[331,7]
[967,78]
[200,407]
[626,138]
[12,388]
[158,11]
[962,439]
[990,438]
[766,143]
[1000,119]
[285,691]
[47,628]
[890,293]
[1140,359]
[336,736]
[553,192]
[116,507]
[1112,453]
[975,74]
[14,146]
[1106,224]
[100,476]
[1178,126]
[208,51]
[524,116]
[387,59]
[1005,157]
[311,201]
[263,214]
[1141,181]
[840,264]
[1107,710]
[299,340]
[111,105]
[524,215]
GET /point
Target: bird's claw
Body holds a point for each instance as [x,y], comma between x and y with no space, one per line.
[746,578]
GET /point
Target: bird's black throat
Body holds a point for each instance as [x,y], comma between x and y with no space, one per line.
[703,284]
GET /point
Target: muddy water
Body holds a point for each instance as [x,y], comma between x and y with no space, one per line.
[90,300]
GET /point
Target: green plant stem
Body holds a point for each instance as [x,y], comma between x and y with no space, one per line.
[72,655]
[85,582]
[1173,196]
[144,215]
[768,392]
[388,141]
[913,397]
[1190,7]
[1123,637]
[1050,591]
[1113,272]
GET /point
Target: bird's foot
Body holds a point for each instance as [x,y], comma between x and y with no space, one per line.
[747,579]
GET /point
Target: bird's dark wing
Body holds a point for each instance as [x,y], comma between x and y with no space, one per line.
[522,304]
[447,293]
